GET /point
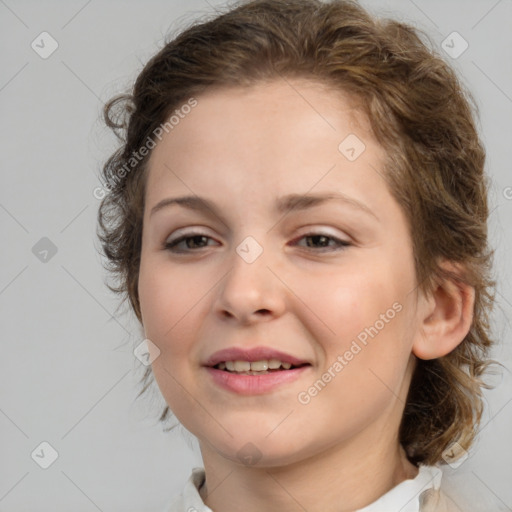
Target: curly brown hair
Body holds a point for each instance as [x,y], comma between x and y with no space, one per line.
[419,112]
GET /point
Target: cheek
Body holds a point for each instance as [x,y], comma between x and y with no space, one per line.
[175,300]
[168,294]
[364,320]
[364,359]
[170,300]
[350,299]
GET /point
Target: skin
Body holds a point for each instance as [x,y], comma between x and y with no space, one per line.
[242,148]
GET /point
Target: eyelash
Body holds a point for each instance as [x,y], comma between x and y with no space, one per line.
[170,246]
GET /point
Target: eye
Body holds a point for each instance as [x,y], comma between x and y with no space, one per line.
[321,241]
[192,242]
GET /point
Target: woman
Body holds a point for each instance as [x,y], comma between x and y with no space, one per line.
[298,217]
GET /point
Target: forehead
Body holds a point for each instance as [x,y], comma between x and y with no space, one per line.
[283,136]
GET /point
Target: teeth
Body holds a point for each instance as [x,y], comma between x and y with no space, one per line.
[274,364]
[255,366]
[242,366]
[259,366]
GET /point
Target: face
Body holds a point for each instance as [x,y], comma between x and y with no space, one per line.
[289,249]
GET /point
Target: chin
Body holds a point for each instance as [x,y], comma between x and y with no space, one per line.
[259,450]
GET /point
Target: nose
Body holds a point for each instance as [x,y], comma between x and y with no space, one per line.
[250,292]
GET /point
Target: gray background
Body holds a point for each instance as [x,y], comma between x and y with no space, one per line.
[68,375]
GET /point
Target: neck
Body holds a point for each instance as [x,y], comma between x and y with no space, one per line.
[350,475]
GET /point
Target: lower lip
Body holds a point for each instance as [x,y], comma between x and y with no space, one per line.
[254,384]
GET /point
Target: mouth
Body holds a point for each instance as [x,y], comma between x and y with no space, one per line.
[254,371]
[256,359]
[262,367]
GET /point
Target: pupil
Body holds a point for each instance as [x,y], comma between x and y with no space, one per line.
[317,239]
[195,239]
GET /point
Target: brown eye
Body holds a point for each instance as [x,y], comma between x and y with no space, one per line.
[188,243]
[322,241]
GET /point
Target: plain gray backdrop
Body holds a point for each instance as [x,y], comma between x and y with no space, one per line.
[68,375]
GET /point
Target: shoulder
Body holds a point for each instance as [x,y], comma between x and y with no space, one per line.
[462,491]
[438,501]
[452,490]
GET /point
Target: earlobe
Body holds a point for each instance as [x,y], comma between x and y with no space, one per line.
[446,318]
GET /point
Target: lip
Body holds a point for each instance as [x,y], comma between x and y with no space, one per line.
[255,384]
[252,355]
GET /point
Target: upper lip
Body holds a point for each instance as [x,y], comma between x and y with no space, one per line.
[251,355]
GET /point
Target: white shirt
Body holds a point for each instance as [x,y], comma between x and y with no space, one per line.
[420,494]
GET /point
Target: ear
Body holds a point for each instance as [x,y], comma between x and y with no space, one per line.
[446,316]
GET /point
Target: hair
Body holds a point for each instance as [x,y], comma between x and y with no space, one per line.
[418,111]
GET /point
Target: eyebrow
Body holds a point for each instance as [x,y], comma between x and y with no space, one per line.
[284,205]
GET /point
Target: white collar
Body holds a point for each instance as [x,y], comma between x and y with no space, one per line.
[410,494]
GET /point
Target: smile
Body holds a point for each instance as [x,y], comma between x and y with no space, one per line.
[253,371]
[249,382]
[255,367]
